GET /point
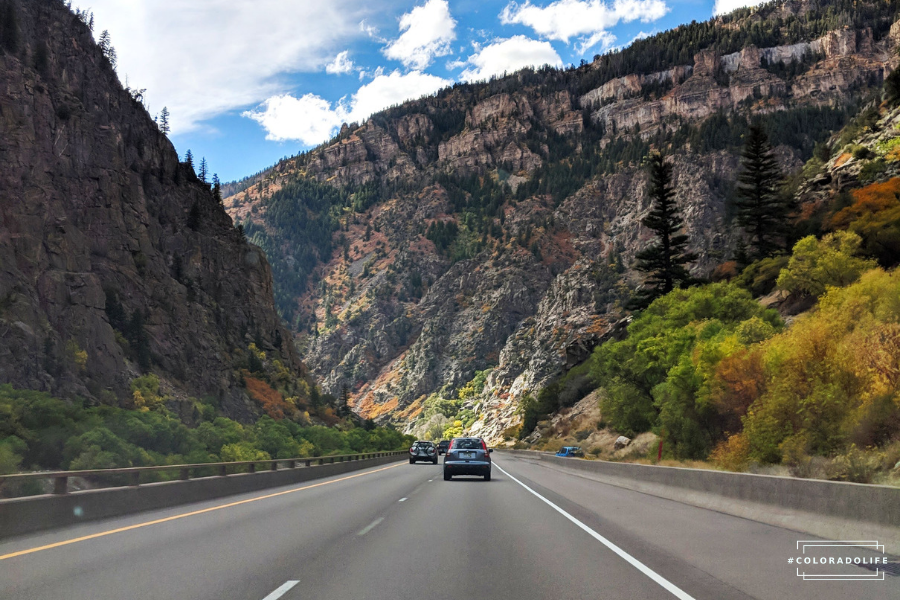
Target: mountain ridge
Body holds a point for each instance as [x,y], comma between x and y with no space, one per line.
[115,259]
[490,227]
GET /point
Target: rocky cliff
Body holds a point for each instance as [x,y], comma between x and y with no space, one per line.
[114,258]
[491,227]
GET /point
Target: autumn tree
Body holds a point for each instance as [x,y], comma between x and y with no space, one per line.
[762,210]
[664,261]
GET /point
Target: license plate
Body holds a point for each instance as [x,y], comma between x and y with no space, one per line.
[468,455]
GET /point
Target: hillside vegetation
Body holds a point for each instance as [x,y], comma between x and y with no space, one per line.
[493,230]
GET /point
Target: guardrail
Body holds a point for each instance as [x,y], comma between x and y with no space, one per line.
[133,474]
[138,489]
[829,509]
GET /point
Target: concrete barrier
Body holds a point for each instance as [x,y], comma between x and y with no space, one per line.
[19,516]
[828,509]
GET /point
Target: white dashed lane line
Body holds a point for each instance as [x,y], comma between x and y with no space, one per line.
[284,589]
[370,526]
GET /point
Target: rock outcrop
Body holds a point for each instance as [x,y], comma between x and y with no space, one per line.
[99,221]
[481,254]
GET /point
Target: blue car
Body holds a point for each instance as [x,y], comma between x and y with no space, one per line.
[570,451]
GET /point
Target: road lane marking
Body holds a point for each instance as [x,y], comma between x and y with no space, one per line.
[370,526]
[184,515]
[402,500]
[284,589]
[665,583]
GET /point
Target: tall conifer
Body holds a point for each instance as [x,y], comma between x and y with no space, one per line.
[664,261]
[762,211]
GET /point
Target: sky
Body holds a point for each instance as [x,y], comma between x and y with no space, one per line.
[248,82]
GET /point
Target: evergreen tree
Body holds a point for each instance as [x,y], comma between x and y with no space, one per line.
[203,170]
[664,260]
[164,121]
[762,211]
[106,47]
[189,159]
[217,187]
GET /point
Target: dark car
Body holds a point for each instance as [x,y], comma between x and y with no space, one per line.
[423,451]
[442,446]
[570,451]
[467,456]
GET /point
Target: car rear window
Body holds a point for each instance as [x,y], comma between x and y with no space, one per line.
[424,444]
[468,444]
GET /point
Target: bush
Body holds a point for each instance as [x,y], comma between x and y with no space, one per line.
[826,379]
[818,264]
[660,376]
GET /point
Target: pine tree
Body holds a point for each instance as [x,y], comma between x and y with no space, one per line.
[203,170]
[106,47]
[164,121]
[217,187]
[762,212]
[189,159]
[664,260]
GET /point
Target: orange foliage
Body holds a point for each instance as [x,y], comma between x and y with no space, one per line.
[270,400]
[842,160]
[869,200]
[725,272]
[739,380]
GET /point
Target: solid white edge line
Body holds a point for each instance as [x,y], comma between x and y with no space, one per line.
[665,583]
[284,589]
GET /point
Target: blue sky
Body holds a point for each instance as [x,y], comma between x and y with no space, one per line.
[249,82]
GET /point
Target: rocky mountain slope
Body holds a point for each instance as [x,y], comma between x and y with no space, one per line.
[114,258]
[492,227]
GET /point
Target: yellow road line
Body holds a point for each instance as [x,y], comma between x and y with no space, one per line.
[182,516]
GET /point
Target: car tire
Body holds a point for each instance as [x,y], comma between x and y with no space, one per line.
[434,461]
[447,476]
[412,462]
[488,476]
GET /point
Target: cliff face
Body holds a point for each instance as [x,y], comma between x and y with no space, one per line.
[100,221]
[506,215]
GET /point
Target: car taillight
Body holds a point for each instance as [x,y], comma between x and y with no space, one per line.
[413,449]
[484,446]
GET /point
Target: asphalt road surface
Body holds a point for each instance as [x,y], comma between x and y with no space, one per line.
[401,532]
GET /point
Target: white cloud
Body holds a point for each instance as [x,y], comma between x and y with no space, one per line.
[604,38]
[206,57]
[313,120]
[726,6]
[340,64]
[310,119]
[587,20]
[506,56]
[427,33]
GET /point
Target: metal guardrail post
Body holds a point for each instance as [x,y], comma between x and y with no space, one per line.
[185,474]
[60,485]
[223,471]
[275,465]
[308,463]
[136,478]
[251,468]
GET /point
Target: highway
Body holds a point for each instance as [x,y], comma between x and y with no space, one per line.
[402,532]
